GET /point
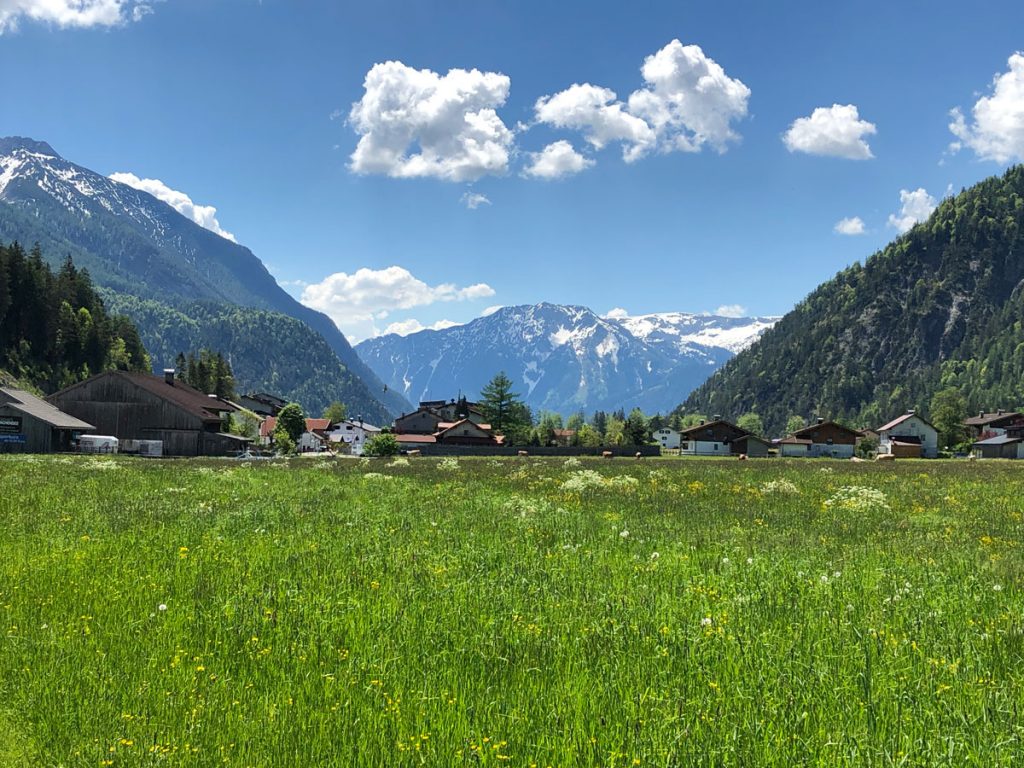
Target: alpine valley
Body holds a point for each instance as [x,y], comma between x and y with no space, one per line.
[184,287]
[565,358]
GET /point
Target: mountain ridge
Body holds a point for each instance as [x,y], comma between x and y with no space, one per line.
[562,357]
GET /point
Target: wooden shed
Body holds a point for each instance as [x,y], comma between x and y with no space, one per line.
[31,425]
[139,406]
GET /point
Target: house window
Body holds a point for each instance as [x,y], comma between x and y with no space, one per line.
[716,446]
[684,447]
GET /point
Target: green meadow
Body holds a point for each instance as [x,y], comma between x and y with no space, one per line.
[519,612]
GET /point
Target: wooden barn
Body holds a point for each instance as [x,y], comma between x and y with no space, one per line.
[139,406]
[31,425]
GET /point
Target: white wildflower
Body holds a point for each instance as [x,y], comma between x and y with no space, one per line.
[706,621]
[624,533]
[162,607]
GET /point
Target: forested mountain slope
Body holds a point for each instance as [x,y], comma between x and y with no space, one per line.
[942,305]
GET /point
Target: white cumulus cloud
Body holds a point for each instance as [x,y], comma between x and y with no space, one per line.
[997,129]
[598,115]
[618,313]
[731,310]
[835,131]
[852,225]
[356,301]
[71,13]
[417,123]
[687,101]
[555,161]
[915,207]
[203,215]
[474,200]
[412,325]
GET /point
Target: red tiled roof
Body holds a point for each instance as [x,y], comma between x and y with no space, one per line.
[312,425]
[795,441]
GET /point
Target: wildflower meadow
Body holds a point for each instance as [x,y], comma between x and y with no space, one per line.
[521,612]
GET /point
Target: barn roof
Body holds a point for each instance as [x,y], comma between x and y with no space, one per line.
[984,419]
[37,408]
[999,440]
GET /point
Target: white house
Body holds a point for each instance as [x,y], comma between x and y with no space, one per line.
[667,437]
[352,433]
[909,436]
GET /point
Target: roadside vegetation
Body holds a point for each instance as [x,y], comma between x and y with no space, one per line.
[522,612]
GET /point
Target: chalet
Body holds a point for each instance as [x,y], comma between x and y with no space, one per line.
[31,425]
[139,406]
[466,432]
[720,438]
[999,422]
[315,438]
[352,435]
[999,447]
[909,436]
[262,403]
[667,437]
[823,438]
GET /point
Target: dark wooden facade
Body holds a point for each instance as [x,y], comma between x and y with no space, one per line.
[132,406]
[31,425]
[830,433]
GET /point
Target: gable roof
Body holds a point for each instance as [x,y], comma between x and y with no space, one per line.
[30,405]
[177,392]
[710,424]
[791,440]
[806,431]
[983,419]
[899,420]
[415,438]
[463,422]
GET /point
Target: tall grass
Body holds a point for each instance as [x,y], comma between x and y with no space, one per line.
[510,612]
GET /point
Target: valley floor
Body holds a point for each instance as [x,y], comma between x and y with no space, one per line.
[513,612]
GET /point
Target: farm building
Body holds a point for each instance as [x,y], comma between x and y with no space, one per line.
[421,422]
[720,438]
[999,422]
[667,437]
[31,425]
[999,447]
[139,406]
[823,438]
[909,437]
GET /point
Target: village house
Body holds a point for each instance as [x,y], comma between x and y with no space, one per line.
[909,437]
[720,438]
[31,425]
[667,438]
[999,422]
[563,438]
[143,407]
[351,435]
[821,439]
[313,439]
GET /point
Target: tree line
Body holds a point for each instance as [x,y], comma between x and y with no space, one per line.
[54,328]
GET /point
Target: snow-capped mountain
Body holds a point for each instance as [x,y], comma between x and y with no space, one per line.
[681,329]
[564,358]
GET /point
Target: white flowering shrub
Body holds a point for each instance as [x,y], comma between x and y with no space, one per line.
[856,498]
[583,480]
[780,487]
[572,463]
[624,483]
[449,464]
[376,476]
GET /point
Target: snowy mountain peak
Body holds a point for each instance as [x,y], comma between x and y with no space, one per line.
[564,358]
[10,144]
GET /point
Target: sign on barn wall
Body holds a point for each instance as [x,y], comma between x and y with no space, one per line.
[6,437]
[10,424]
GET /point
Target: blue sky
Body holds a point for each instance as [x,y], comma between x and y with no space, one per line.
[247,107]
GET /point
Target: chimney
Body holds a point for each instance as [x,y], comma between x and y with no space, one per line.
[910,412]
[999,412]
[981,414]
[169,376]
[821,420]
[717,417]
[701,423]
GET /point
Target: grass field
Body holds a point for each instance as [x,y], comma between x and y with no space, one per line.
[510,612]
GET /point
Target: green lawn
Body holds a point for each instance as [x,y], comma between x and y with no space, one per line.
[519,612]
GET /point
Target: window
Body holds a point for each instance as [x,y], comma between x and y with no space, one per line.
[684,447]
